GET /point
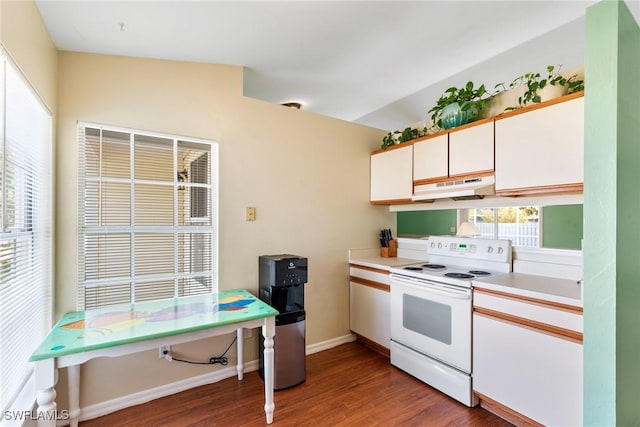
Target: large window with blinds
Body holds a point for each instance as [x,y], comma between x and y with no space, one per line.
[148,216]
[25,230]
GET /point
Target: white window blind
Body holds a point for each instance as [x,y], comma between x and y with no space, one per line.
[148,216]
[25,228]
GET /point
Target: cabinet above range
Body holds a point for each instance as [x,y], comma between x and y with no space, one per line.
[458,163]
[401,173]
[533,150]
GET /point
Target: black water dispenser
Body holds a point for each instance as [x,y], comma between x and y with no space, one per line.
[281,281]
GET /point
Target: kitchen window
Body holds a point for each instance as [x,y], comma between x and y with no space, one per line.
[520,224]
[148,216]
[26,215]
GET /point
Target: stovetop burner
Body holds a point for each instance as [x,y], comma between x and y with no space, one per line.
[459,275]
[434,266]
[479,273]
[413,268]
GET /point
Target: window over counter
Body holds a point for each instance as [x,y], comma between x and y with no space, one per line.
[560,225]
[148,216]
[520,224]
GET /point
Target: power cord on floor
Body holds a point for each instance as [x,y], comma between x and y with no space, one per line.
[223,360]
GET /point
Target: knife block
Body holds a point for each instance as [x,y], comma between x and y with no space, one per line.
[391,251]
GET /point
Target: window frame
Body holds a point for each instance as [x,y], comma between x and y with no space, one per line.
[463,216]
[184,283]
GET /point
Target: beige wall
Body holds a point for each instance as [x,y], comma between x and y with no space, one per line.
[26,39]
[307,175]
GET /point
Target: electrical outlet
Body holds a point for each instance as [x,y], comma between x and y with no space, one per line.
[164,352]
[250,213]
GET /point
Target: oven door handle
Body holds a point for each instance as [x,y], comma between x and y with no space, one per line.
[432,288]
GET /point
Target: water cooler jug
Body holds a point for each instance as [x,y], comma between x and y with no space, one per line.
[281,281]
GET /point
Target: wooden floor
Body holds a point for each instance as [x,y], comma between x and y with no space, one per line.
[348,385]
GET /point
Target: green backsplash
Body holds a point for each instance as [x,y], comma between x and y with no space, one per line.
[561,225]
[427,222]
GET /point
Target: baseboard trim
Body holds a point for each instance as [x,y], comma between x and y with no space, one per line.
[326,345]
[103,408]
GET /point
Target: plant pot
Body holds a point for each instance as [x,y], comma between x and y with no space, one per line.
[552,91]
[453,115]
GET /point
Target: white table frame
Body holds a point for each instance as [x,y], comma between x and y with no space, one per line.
[46,370]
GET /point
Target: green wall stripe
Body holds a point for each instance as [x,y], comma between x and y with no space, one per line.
[427,222]
[562,227]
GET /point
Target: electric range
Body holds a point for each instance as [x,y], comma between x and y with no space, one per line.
[457,261]
[431,311]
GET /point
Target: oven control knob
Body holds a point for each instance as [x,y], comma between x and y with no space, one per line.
[500,250]
[490,249]
[433,244]
[439,245]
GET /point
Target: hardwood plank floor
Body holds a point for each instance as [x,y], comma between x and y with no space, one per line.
[349,385]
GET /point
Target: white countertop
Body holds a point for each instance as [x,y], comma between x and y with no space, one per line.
[563,291]
[384,263]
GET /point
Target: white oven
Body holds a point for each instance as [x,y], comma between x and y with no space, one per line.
[431,311]
[433,319]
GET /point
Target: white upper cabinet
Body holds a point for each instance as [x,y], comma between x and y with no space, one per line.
[467,151]
[391,175]
[541,150]
[431,158]
[471,150]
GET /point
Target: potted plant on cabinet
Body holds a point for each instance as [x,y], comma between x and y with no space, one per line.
[398,137]
[458,106]
[536,88]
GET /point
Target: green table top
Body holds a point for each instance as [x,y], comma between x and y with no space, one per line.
[81,331]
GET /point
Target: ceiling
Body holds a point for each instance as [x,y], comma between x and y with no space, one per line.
[379,63]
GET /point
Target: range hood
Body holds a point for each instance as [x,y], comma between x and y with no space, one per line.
[462,189]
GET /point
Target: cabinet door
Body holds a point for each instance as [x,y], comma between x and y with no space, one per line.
[431,159]
[369,313]
[391,175]
[541,150]
[533,373]
[471,150]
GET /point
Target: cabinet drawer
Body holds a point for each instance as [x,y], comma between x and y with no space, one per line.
[370,276]
[513,308]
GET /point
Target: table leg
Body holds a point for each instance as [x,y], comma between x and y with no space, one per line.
[46,377]
[268,331]
[73,374]
[240,351]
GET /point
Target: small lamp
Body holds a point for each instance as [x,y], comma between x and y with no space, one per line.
[467,229]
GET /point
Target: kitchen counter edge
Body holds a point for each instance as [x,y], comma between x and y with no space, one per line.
[563,291]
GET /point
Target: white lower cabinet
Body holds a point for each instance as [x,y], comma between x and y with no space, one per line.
[369,305]
[532,372]
[370,313]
